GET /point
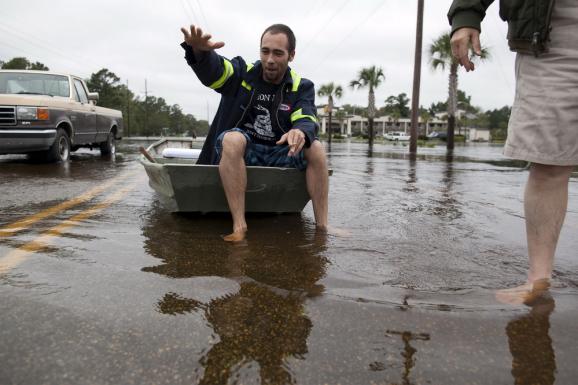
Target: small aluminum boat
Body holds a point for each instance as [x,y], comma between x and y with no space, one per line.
[188,187]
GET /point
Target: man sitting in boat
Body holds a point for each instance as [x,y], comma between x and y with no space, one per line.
[266,117]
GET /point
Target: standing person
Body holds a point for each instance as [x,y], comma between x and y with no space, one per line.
[267,117]
[543,127]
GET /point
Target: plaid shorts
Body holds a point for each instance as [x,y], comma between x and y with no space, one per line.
[264,155]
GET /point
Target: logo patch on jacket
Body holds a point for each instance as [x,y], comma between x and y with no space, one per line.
[284,107]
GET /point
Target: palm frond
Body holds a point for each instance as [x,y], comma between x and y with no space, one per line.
[338,92]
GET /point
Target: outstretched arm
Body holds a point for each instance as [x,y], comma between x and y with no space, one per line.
[214,70]
[199,41]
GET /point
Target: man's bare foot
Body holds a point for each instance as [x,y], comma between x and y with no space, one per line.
[331,230]
[235,236]
[524,294]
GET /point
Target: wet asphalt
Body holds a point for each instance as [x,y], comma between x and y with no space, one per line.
[100,284]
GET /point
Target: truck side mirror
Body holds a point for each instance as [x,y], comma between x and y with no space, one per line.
[93,96]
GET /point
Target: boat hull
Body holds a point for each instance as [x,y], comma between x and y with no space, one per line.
[187,187]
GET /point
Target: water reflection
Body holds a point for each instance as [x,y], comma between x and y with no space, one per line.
[533,358]
[264,321]
[408,351]
[407,354]
[17,168]
[411,183]
[81,166]
[447,206]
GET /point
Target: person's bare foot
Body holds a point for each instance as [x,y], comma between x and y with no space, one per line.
[331,230]
[235,236]
[524,294]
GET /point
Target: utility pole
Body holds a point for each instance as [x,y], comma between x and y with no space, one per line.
[146,127]
[127,110]
[416,80]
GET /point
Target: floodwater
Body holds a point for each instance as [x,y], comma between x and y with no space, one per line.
[100,284]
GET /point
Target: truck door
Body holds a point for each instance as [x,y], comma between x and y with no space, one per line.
[85,116]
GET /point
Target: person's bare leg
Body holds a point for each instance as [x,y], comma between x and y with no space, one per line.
[234,178]
[545,203]
[317,177]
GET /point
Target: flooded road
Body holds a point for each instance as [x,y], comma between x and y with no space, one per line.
[100,284]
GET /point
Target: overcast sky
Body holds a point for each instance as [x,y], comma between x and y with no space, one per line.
[139,40]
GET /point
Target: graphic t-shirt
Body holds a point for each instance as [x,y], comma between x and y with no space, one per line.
[260,120]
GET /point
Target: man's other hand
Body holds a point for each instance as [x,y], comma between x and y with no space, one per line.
[461,40]
[199,41]
[295,139]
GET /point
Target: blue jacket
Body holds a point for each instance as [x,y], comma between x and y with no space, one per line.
[235,79]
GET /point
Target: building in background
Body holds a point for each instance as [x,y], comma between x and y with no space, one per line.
[349,125]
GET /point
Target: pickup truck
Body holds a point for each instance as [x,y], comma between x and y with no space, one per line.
[47,115]
[396,136]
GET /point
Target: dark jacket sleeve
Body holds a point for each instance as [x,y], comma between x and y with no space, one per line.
[468,13]
[304,116]
[215,71]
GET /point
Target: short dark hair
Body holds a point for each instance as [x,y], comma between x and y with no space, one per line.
[282,28]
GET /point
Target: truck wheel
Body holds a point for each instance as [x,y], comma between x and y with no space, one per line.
[60,149]
[108,147]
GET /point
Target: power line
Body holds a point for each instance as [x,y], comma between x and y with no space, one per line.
[372,13]
[308,44]
[17,48]
[189,11]
[315,10]
[203,16]
[45,47]
[39,42]
[192,18]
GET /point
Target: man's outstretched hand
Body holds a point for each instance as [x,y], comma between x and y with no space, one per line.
[199,41]
[295,139]
[461,41]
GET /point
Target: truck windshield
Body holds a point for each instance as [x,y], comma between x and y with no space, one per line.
[34,83]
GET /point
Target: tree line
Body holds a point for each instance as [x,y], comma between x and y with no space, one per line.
[143,116]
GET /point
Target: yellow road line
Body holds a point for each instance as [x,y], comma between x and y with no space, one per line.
[16,257]
[24,223]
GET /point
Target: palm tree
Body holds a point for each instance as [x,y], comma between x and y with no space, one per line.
[330,90]
[371,78]
[441,57]
[425,118]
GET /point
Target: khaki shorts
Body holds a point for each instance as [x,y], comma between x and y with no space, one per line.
[543,127]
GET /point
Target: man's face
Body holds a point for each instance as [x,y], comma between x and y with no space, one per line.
[275,57]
